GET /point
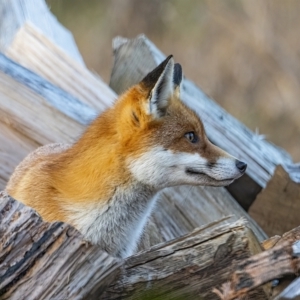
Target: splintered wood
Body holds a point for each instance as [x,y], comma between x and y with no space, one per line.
[280,260]
[188,267]
[41,260]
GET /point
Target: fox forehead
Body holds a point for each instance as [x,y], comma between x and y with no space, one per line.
[178,121]
[140,133]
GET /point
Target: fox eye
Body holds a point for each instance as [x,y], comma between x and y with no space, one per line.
[192,137]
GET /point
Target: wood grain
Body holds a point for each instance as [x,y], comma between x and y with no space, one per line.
[34,112]
[33,50]
[15,13]
[277,207]
[41,260]
[261,268]
[188,267]
[182,209]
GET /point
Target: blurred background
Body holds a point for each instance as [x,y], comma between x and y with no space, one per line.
[244,54]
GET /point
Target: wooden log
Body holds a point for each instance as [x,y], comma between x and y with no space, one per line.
[188,267]
[35,51]
[40,44]
[135,58]
[34,112]
[15,13]
[276,262]
[182,209]
[41,260]
[277,207]
[13,148]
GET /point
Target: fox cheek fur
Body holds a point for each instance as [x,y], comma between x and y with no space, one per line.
[105,184]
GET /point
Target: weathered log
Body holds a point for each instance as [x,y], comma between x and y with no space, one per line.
[188,267]
[35,45]
[41,260]
[14,146]
[182,209]
[34,112]
[280,260]
[277,207]
[15,13]
[134,58]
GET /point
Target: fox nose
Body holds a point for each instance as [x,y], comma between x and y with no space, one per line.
[241,166]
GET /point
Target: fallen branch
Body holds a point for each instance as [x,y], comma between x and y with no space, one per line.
[40,260]
[187,267]
[281,260]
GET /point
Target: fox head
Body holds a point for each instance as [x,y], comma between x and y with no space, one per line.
[164,140]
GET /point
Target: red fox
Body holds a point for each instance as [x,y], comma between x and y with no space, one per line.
[105,183]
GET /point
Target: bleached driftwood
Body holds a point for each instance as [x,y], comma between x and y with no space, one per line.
[41,260]
[135,58]
[188,267]
[47,48]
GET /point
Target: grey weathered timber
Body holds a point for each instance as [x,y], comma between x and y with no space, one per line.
[290,292]
[14,146]
[33,37]
[15,13]
[189,267]
[35,51]
[34,112]
[135,58]
[180,210]
[41,260]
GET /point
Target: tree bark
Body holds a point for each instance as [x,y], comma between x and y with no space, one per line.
[41,260]
[188,267]
[276,262]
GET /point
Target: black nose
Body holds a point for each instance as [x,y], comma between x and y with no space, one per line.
[241,166]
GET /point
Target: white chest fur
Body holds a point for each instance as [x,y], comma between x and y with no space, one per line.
[117,225]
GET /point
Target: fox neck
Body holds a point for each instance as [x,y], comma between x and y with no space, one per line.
[118,224]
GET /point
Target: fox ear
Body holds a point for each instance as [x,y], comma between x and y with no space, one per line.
[160,83]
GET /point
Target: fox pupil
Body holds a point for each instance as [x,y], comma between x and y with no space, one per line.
[192,137]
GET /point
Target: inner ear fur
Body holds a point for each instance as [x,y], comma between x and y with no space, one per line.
[160,84]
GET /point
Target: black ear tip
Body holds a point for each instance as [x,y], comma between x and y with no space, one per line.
[177,76]
[166,61]
[178,68]
[151,78]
